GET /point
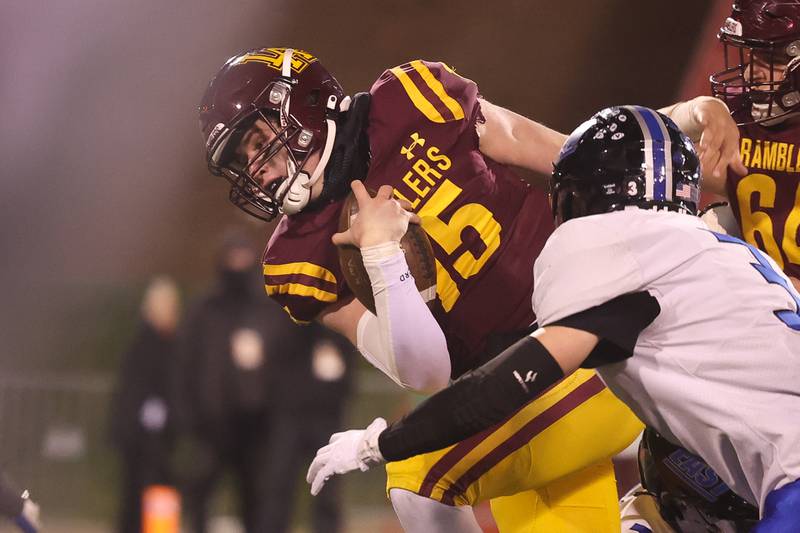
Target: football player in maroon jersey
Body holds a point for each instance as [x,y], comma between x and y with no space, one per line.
[278,126]
[761,85]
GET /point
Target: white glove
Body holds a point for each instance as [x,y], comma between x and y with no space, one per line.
[346,451]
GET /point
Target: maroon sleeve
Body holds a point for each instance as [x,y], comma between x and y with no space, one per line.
[301,265]
[422,95]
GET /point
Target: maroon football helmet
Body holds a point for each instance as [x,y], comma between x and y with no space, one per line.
[297,98]
[761,41]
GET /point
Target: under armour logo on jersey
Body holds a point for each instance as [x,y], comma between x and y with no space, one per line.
[530,377]
[408,151]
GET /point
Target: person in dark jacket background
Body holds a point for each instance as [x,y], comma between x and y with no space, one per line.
[258,395]
[312,382]
[224,352]
[141,418]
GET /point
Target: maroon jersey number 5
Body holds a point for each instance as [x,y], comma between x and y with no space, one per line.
[448,236]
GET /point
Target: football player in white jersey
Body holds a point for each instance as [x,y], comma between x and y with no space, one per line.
[698,332]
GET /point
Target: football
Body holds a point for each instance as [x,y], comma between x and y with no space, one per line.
[415,245]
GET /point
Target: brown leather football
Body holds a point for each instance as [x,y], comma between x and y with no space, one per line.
[415,245]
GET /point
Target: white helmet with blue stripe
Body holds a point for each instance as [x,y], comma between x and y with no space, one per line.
[625,156]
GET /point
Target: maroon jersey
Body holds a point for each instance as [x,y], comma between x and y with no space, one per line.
[485,224]
[766,201]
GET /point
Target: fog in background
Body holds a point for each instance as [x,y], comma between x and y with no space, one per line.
[103,178]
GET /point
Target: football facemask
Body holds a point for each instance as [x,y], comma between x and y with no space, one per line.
[289,91]
[761,41]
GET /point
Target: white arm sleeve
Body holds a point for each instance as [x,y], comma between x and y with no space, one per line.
[404,340]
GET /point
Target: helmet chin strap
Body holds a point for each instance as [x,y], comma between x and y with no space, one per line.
[330,136]
[299,193]
[296,190]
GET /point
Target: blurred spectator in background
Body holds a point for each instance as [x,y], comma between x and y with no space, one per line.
[259,395]
[312,381]
[225,351]
[141,421]
[16,505]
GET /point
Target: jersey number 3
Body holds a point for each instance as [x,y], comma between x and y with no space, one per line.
[789,317]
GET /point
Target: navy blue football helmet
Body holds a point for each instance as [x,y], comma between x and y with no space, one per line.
[625,156]
[690,495]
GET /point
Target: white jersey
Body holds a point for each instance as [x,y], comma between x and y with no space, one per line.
[718,370]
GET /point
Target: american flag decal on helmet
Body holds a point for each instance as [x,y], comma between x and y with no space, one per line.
[687,192]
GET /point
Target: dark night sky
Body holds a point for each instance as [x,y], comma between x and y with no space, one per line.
[103,179]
